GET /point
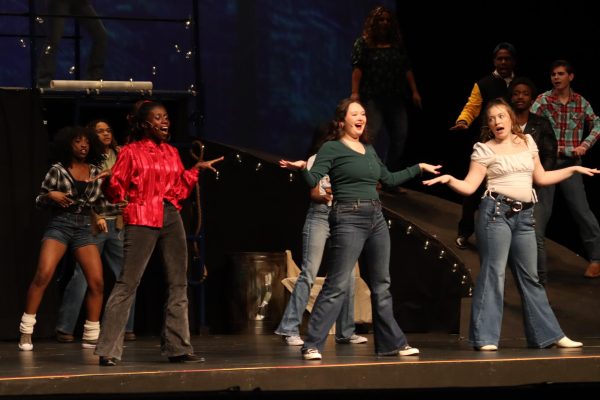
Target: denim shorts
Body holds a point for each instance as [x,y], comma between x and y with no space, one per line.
[70,229]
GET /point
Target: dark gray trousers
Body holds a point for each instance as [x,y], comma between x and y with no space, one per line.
[140,242]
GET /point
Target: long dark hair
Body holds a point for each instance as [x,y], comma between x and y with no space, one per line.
[370,32]
[113,144]
[63,150]
[336,131]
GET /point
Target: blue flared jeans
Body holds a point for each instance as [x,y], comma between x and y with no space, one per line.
[509,238]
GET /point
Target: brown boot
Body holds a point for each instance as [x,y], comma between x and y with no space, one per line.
[593,270]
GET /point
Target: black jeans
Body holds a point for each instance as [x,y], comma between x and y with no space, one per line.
[139,244]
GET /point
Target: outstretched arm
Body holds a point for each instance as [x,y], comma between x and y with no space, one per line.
[466,186]
[542,177]
[208,164]
[293,165]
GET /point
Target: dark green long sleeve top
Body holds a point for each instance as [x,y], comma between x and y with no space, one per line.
[353,175]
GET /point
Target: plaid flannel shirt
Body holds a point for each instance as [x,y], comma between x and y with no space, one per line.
[569,121]
[60,180]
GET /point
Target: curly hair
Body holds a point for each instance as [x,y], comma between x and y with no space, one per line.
[373,37]
[486,132]
[63,150]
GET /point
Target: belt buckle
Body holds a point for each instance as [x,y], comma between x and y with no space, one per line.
[516,206]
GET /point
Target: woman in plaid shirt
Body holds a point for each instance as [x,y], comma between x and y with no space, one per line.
[70,193]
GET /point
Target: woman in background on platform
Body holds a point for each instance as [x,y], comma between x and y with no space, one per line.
[70,196]
[357,226]
[505,229]
[109,220]
[149,175]
[383,80]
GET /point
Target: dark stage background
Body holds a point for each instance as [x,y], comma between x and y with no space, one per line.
[270,72]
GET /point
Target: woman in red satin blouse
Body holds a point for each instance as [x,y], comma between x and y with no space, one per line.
[150,177]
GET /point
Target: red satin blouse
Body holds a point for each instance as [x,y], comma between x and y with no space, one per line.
[145,174]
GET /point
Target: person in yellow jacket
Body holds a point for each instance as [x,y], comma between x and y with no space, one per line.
[488,88]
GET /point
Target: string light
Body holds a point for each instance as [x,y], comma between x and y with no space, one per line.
[72,70]
[258,166]
[442,254]
[389,223]
[409,230]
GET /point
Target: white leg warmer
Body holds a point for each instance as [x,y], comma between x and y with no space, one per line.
[91,330]
[27,323]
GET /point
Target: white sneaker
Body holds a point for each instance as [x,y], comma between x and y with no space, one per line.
[311,354]
[487,347]
[25,342]
[293,340]
[566,343]
[354,339]
[408,351]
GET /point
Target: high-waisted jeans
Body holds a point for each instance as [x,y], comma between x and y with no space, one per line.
[357,227]
[509,238]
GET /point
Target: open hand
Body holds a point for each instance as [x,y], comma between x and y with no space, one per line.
[588,171]
[440,179]
[208,164]
[293,165]
[432,169]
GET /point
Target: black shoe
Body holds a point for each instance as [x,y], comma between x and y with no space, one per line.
[186,358]
[461,242]
[107,361]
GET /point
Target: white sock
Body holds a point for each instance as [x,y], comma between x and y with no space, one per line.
[27,323]
[91,330]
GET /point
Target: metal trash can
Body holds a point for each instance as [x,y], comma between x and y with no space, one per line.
[257,298]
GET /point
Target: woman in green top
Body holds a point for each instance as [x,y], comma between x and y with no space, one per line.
[357,226]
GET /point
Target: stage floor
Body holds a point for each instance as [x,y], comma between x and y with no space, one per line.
[262,363]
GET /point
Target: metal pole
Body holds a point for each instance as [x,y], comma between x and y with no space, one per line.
[32,44]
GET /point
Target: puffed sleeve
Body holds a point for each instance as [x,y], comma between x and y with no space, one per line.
[482,154]
[531,145]
[115,188]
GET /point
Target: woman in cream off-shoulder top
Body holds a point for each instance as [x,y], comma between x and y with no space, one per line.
[505,229]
